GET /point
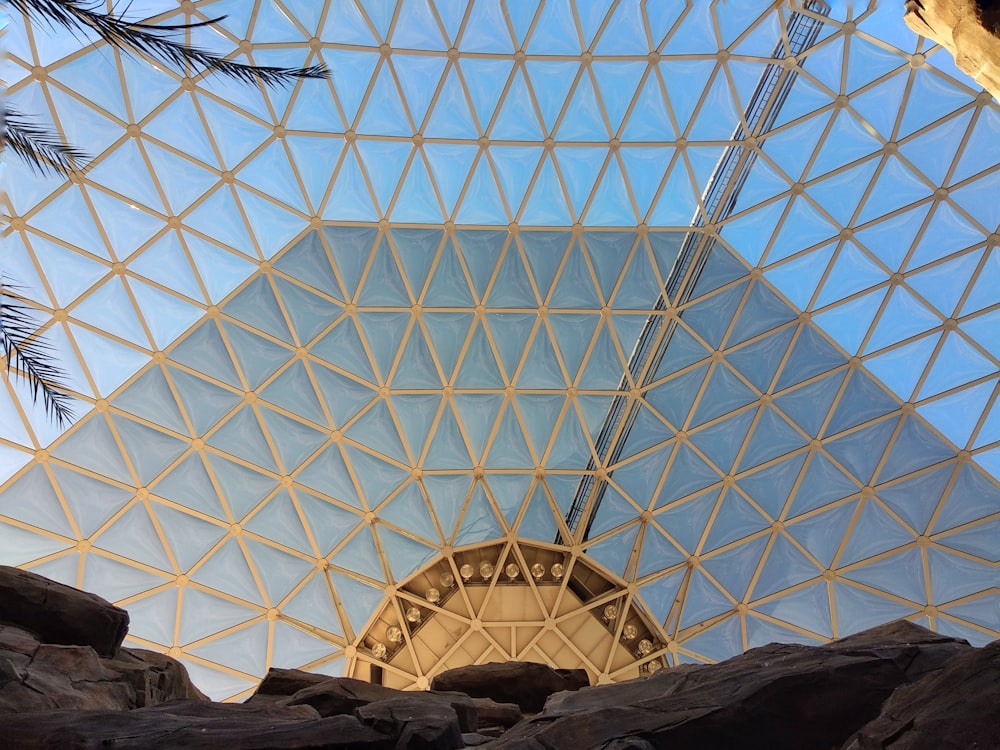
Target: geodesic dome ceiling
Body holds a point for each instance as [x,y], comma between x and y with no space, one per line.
[703,300]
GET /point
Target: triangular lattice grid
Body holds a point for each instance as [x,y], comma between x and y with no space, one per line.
[320,335]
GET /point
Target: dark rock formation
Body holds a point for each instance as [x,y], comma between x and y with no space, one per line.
[776,696]
[525,683]
[279,683]
[953,709]
[155,678]
[413,722]
[343,695]
[894,687]
[59,614]
[493,714]
[35,676]
[154,729]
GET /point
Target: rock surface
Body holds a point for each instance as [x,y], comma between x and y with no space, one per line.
[894,687]
[344,695]
[59,614]
[953,709]
[776,696]
[967,29]
[35,676]
[521,682]
[153,729]
[279,683]
[413,722]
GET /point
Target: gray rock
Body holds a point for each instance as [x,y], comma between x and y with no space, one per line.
[342,695]
[154,678]
[147,729]
[283,682]
[493,714]
[524,683]
[212,710]
[36,676]
[60,614]
[955,708]
[776,696]
[414,722]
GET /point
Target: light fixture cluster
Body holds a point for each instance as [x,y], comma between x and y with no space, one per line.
[478,574]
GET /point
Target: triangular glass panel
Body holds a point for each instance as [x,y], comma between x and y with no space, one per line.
[785,566]
[187,484]
[329,523]
[293,441]
[724,393]
[852,271]
[477,413]
[479,522]
[822,483]
[823,534]
[258,357]
[328,474]
[150,397]
[547,204]
[711,317]
[449,286]
[687,474]
[404,555]
[770,488]
[452,117]
[450,165]
[279,571]
[383,284]
[134,535]
[359,555]
[657,553]
[150,451]
[241,436]
[349,198]
[860,401]
[734,519]
[875,531]
[278,520]
[32,500]
[204,402]
[342,347]
[972,496]
[359,600]
[509,450]
[418,77]
[377,478]
[687,522]
[242,488]
[721,442]
[772,437]
[615,552]
[189,537]
[92,445]
[447,449]
[704,601]
[762,311]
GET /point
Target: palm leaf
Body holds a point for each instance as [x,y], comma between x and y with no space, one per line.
[41,149]
[30,357]
[156,40]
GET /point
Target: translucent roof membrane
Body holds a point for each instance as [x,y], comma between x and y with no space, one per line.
[707,297]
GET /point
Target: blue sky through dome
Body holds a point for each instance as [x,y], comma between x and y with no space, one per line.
[319,334]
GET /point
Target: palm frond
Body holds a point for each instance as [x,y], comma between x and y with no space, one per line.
[41,149]
[30,357]
[156,40]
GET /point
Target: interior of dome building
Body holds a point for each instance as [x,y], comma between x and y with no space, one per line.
[609,334]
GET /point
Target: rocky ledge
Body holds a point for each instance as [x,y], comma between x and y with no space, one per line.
[66,682]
